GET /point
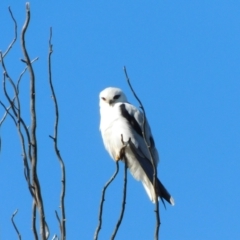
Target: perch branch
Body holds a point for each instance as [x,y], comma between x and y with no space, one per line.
[123,201]
[102,201]
[14,225]
[151,157]
[55,141]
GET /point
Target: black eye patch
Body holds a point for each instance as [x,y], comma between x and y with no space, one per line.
[116,97]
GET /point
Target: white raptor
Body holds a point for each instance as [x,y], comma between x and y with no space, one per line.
[121,121]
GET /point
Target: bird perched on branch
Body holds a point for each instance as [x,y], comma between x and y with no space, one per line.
[122,132]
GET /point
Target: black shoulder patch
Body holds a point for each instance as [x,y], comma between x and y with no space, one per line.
[152,142]
[132,121]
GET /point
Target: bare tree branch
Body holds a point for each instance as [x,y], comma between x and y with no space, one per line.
[59,221]
[102,201]
[55,141]
[17,113]
[14,225]
[151,158]
[34,229]
[55,237]
[33,142]
[15,34]
[6,113]
[123,201]
[22,73]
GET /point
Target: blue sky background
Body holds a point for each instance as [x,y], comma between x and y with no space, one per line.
[183,58]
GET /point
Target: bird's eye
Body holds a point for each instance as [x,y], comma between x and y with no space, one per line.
[116,97]
[103,98]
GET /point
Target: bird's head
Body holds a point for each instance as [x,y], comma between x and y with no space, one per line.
[111,95]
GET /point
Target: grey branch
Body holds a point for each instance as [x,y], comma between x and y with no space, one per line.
[156,237]
[34,229]
[7,112]
[14,225]
[33,138]
[102,201]
[17,119]
[62,222]
[15,34]
[123,201]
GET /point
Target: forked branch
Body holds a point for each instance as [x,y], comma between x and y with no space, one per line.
[102,201]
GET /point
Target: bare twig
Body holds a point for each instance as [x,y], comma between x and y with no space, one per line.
[6,113]
[14,225]
[24,70]
[55,237]
[17,113]
[58,218]
[55,141]
[102,201]
[151,158]
[33,138]
[34,229]
[123,201]
[15,34]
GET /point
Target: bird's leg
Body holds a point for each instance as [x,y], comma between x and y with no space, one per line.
[122,150]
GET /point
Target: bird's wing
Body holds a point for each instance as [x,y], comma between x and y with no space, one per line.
[134,119]
[136,152]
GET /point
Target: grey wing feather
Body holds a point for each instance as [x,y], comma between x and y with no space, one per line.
[134,115]
[142,169]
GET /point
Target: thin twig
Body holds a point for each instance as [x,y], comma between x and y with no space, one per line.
[156,237]
[20,122]
[55,141]
[14,225]
[58,218]
[34,175]
[6,113]
[24,70]
[55,237]
[123,201]
[34,229]
[15,33]
[102,201]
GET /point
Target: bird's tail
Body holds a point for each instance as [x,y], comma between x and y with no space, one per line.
[141,169]
[163,193]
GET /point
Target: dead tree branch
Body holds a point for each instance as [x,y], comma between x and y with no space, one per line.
[123,201]
[34,229]
[102,201]
[33,139]
[62,222]
[20,123]
[14,225]
[15,34]
[7,112]
[151,157]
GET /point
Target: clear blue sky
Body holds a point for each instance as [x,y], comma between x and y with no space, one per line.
[183,58]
